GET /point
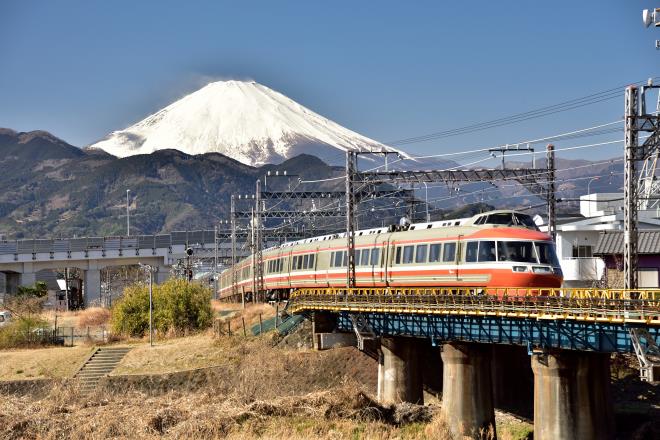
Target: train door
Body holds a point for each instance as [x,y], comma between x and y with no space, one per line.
[288,268]
[388,251]
[458,257]
[371,261]
[315,274]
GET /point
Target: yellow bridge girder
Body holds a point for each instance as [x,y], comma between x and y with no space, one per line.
[589,305]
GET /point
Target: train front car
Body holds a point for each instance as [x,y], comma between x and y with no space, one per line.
[512,257]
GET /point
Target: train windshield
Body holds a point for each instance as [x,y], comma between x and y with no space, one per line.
[527,252]
[507,219]
[546,253]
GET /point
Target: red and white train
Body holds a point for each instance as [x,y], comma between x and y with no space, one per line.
[492,249]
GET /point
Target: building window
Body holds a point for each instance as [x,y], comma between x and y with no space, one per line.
[582,251]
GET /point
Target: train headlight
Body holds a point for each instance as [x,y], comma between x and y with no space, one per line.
[519,268]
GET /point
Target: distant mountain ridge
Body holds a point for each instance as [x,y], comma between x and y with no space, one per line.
[51,188]
[241,119]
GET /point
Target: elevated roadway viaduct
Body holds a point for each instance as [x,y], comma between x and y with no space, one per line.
[484,348]
[20,260]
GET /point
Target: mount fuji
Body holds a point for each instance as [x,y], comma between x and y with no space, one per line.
[244,120]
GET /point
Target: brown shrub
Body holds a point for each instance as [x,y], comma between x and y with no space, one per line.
[94,316]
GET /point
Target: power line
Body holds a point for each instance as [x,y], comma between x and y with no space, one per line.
[519,117]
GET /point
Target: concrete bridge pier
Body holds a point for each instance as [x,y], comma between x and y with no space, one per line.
[467,396]
[28,278]
[399,372]
[161,275]
[92,288]
[12,281]
[572,398]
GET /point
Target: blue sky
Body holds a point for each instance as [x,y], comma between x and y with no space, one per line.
[389,70]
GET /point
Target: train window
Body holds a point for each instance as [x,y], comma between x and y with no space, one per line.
[434,253]
[504,218]
[364,259]
[471,251]
[526,220]
[345,260]
[358,252]
[449,252]
[311,261]
[300,262]
[397,258]
[337,259]
[420,253]
[487,251]
[408,254]
[375,254]
[306,262]
[546,253]
[295,263]
[520,251]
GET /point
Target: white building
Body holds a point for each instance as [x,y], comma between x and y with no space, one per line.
[577,236]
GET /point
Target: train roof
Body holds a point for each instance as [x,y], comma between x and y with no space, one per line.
[517,219]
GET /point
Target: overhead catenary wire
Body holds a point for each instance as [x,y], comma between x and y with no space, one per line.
[519,117]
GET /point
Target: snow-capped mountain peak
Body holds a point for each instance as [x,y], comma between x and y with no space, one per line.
[243,120]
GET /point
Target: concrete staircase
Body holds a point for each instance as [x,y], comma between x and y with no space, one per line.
[99,364]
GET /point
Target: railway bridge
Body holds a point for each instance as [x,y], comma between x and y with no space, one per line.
[495,347]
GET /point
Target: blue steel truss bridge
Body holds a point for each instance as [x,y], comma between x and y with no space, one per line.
[484,336]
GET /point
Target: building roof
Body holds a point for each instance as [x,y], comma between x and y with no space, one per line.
[611,243]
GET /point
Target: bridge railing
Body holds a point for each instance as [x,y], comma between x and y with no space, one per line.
[86,244]
[593,305]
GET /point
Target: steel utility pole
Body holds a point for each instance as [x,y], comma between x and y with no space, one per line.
[636,120]
[630,196]
[253,257]
[151,306]
[258,241]
[215,262]
[350,219]
[234,274]
[151,301]
[128,215]
[551,195]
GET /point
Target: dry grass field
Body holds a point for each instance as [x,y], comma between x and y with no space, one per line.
[257,390]
[53,362]
[339,413]
[207,386]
